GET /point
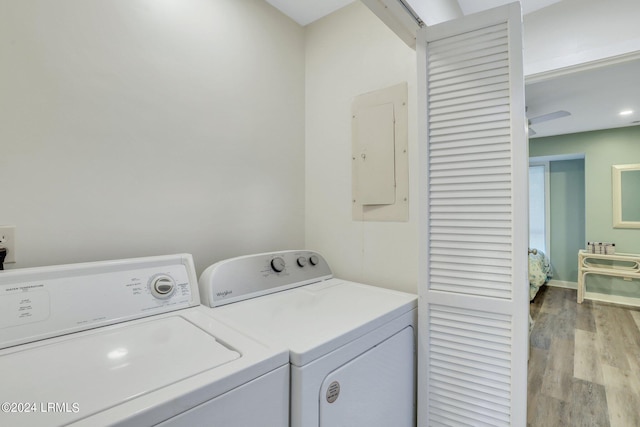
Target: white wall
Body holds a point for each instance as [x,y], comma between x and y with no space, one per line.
[351,52]
[573,32]
[141,127]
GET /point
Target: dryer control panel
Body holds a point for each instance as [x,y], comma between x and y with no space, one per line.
[245,277]
[43,302]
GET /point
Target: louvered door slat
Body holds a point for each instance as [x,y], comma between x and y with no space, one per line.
[452,383]
[466,37]
[491,171]
[462,245]
[487,90]
[483,64]
[492,185]
[482,232]
[445,104]
[464,179]
[469,255]
[473,112]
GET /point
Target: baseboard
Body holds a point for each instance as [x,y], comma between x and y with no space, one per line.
[614,299]
[594,296]
[562,284]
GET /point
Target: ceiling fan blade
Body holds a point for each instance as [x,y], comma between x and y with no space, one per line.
[549,116]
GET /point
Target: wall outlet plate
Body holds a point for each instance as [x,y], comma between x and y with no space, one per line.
[8,241]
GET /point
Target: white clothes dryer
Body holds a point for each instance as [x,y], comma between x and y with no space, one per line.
[351,346]
[127,343]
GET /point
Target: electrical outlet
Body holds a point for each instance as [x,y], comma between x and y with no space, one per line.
[8,241]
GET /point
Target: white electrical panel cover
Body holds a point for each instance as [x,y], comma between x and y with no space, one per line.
[380,177]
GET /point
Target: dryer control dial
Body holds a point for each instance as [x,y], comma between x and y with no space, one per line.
[277,264]
[302,261]
[162,286]
[314,260]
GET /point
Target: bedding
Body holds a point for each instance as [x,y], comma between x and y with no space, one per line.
[539,272]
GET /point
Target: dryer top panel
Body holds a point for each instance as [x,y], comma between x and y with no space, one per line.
[316,319]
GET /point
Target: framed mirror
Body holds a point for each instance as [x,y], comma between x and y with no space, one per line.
[626,196]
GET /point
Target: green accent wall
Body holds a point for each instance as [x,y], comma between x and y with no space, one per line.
[567,217]
[601,150]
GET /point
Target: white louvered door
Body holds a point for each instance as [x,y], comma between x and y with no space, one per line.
[473,312]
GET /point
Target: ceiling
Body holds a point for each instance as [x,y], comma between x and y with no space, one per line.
[306,11]
[594,97]
[472,6]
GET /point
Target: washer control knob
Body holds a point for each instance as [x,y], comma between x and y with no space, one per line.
[277,264]
[162,286]
[314,260]
[302,261]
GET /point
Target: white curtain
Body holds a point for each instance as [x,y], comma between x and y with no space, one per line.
[537,215]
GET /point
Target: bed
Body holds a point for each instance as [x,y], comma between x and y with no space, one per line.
[539,271]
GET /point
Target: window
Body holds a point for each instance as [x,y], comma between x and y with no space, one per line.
[538,224]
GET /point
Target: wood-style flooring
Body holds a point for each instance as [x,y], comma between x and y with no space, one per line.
[584,362]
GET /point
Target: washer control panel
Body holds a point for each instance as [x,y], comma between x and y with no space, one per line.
[249,276]
[37,303]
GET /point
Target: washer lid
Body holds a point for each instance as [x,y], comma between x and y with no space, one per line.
[89,372]
[316,319]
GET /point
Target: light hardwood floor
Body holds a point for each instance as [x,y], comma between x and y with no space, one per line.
[584,362]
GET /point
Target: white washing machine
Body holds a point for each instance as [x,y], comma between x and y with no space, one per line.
[351,346]
[127,343]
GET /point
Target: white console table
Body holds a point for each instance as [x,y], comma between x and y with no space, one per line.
[619,265]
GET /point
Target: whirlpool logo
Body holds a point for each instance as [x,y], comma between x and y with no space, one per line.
[224,293]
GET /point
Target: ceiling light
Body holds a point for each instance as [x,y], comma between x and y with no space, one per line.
[118,353]
[626,112]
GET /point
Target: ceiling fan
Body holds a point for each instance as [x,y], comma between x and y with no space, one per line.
[545,117]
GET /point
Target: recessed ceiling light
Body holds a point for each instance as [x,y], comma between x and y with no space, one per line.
[626,112]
